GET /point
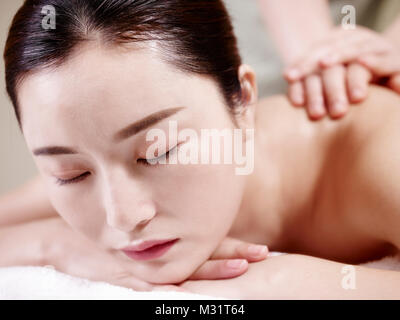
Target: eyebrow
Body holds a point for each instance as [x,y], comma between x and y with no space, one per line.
[123,134]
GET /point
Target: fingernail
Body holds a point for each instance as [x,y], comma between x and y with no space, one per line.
[236,264]
[257,250]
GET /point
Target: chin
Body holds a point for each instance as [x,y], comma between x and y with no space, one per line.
[171,273]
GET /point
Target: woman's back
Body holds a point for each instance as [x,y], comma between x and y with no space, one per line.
[342,171]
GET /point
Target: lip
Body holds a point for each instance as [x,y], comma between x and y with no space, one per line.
[149,249]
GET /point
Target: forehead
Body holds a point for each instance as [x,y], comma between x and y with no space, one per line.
[97,89]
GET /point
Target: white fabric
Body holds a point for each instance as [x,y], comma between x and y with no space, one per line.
[43,283]
[32,282]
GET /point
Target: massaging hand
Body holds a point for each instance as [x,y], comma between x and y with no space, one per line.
[72,253]
[338,70]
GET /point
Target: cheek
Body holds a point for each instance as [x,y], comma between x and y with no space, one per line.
[207,199]
[207,202]
[78,210]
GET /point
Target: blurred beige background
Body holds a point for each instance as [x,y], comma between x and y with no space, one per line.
[16,163]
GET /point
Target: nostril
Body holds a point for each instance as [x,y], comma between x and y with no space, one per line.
[143,223]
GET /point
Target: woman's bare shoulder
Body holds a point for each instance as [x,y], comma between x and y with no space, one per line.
[370,153]
[380,109]
[380,106]
[276,114]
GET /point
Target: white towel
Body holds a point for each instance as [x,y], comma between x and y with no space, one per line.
[36,283]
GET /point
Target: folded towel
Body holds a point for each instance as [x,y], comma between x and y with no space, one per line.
[33,282]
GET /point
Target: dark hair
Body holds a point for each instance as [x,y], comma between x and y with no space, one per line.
[196,36]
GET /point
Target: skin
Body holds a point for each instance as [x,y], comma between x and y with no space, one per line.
[83,106]
[354,50]
[322,61]
[329,199]
[313,190]
[331,171]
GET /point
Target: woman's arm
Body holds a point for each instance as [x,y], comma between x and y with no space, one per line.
[25,203]
[52,242]
[295,276]
[392,32]
[24,244]
[295,25]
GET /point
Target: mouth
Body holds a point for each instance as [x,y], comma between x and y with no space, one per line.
[150,250]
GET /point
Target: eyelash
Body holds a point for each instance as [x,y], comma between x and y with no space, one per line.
[166,155]
[141,161]
[73,180]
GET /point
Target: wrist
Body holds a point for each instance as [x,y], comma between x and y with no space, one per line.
[52,242]
[298,50]
[23,244]
[391,33]
[392,39]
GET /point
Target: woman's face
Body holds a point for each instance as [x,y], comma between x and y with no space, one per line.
[83,105]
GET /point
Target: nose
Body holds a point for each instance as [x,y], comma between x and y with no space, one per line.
[127,206]
[129,215]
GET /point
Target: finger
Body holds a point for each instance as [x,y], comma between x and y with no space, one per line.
[220,269]
[348,52]
[314,97]
[236,249]
[357,79]
[306,65]
[335,91]
[394,82]
[296,93]
[339,41]
[381,65]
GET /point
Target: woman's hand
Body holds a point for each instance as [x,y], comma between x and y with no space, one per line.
[338,70]
[70,252]
[230,260]
[261,281]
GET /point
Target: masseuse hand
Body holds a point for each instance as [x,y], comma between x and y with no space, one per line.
[72,253]
[340,68]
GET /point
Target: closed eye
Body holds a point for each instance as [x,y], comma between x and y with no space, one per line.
[155,161]
[146,162]
[73,180]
